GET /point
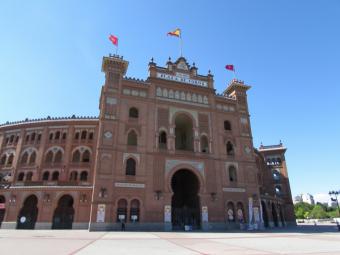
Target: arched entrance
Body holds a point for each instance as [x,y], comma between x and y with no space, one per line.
[185,202]
[265,214]
[274,213]
[28,214]
[64,213]
[2,209]
[184,133]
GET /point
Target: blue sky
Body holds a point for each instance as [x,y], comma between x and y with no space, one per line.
[288,51]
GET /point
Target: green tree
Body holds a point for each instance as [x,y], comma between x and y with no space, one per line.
[318,212]
[302,210]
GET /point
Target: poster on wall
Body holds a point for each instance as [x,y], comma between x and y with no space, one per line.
[167,213]
[204,213]
[101,213]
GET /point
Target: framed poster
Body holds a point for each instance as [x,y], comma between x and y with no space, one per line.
[101,213]
[167,213]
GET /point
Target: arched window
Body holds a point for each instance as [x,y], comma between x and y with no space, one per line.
[278,190]
[133,112]
[73,176]
[29,176]
[64,136]
[76,136]
[49,157]
[232,174]
[10,160]
[130,167]
[83,176]
[204,144]
[57,135]
[21,176]
[58,157]
[51,136]
[3,159]
[11,140]
[90,135]
[39,137]
[86,156]
[276,175]
[17,139]
[230,149]
[32,136]
[227,125]
[46,176]
[83,134]
[32,158]
[27,138]
[24,158]
[122,210]
[132,138]
[162,140]
[134,210]
[76,156]
[55,176]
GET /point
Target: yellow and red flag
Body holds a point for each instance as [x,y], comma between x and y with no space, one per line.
[176,32]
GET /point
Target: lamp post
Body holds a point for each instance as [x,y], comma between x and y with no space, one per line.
[334,197]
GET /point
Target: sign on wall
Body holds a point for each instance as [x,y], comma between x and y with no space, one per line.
[182,78]
[101,213]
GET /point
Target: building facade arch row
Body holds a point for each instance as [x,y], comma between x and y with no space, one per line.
[59,195]
[134,156]
[55,149]
[29,150]
[192,115]
[162,129]
[8,152]
[185,166]
[132,129]
[82,149]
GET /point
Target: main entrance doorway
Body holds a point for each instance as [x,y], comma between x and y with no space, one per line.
[185,202]
[28,214]
[63,214]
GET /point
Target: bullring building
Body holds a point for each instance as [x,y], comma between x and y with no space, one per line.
[165,153]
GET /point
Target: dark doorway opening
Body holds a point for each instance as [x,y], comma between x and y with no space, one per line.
[275,219]
[2,209]
[185,202]
[64,213]
[28,214]
[265,214]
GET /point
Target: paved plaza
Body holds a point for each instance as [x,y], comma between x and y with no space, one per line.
[301,240]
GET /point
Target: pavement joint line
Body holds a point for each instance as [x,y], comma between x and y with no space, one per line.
[86,245]
[258,250]
[179,245]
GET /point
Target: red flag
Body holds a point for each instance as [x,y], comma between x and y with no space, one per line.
[230,67]
[113,39]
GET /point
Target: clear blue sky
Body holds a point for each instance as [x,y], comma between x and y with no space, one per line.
[288,51]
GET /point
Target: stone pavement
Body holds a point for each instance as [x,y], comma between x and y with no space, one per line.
[302,240]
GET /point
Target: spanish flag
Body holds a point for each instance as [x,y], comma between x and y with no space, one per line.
[176,32]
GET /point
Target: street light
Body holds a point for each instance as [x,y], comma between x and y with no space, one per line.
[334,197]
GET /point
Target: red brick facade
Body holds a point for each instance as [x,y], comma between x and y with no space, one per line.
[165,153]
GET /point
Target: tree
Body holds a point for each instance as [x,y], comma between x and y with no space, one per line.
[302,210]
[318,212]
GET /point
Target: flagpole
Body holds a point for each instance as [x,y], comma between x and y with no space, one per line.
[181,45]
